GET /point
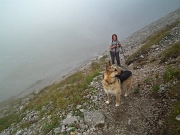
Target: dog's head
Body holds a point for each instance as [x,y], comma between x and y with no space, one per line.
[112,70]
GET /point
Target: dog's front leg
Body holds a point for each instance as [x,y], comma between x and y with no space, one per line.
[109,98]
[118,99]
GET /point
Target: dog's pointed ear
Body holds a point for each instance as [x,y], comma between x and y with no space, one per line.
[108,64]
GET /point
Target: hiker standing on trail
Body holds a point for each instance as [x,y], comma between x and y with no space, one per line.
[114,49]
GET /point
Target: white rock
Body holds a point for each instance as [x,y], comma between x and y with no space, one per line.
[20,132]
[178,117]
[21,107]
[82,110]
[142,56]
[157,49]
[129,122]
[78,106]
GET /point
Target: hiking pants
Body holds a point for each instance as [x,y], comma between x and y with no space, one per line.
[113,56]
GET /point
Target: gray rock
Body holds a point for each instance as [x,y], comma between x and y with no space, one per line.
[142,56]
[131,65]
[78,106]
[94,118]
[178,117]
[20,132]
[129,122]
[69,120]
[63,128]
[82,110]
[69,129]
[154,46]
[31,116]
[57,130]
[21,108]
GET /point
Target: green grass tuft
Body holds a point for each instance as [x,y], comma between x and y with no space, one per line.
[147,80]
[6,121]
[172,52]
[155,88]
[136,91]
[171,74]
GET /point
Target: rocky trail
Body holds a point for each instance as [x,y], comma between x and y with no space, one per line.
[143,111]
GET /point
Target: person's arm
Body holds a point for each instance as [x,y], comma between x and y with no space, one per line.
[112,46]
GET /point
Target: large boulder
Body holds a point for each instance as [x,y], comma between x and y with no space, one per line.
[94,118]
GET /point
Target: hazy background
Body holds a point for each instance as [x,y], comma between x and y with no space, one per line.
[42,40]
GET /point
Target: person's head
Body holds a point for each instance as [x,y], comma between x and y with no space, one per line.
[114,37]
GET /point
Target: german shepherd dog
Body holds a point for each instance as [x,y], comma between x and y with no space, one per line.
[114,79]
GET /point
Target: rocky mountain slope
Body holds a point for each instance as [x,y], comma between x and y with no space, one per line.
[78,107]
[139,36]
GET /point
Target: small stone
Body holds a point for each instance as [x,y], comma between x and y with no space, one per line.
[82,110]
[70,129]
[160,122]
[129,122]
[69,120]
[78,106]
[178,117]
[153,47]
[72,133]
[57,130]
[157,49]
[21,108]
[63,128]
[20,132]
[142,56]
[131,65]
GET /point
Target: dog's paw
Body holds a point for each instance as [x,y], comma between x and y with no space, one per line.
[117,105]
[107,102]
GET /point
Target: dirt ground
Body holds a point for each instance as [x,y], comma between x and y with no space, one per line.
[141,112]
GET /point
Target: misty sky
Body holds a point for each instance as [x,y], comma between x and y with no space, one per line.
[39,23]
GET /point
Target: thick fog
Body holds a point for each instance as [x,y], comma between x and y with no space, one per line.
[41,39]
